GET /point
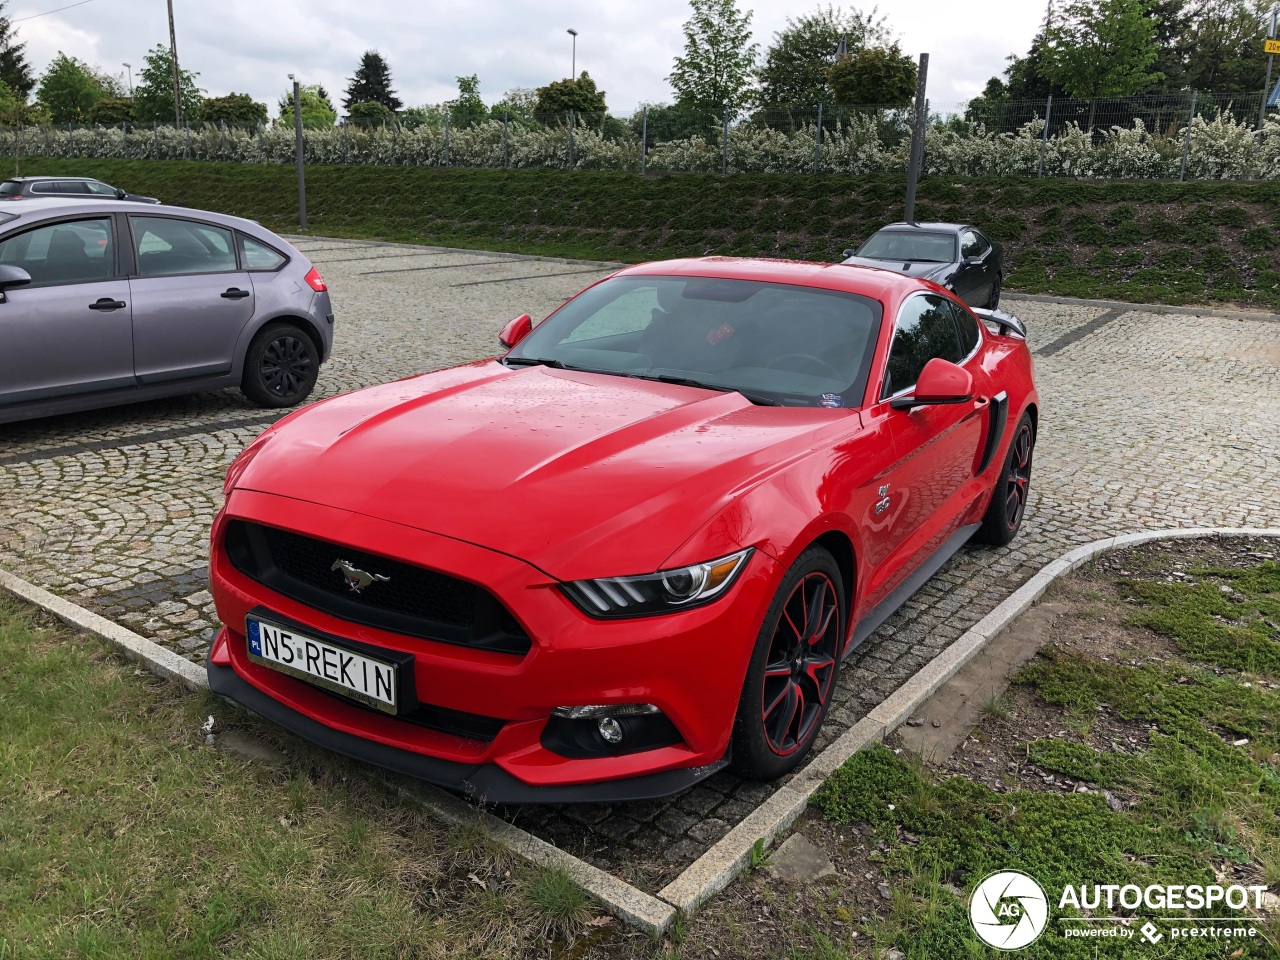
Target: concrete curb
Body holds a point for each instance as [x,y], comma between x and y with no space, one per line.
[603,264]
[718,867]
[1130,307]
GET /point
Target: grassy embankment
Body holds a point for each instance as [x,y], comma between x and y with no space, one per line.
[1136,241]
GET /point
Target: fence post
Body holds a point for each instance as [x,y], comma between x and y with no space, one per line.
[222,139]
[155,140]
[724,155]
[506,122]
[917,139]
[259,141]
[1044,139]
[346,143]
[446,138]
[817,143]
[571,140]
[186,152]
[125,130]
[1186,138]
[644,138]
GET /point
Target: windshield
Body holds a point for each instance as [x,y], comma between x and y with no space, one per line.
[903,245]
[774,343]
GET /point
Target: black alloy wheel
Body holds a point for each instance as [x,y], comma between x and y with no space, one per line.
[281,366]
[793,669]
[1008,505]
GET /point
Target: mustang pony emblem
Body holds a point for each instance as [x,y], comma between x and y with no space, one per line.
[356,578]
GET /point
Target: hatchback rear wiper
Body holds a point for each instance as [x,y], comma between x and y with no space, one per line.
[690,382]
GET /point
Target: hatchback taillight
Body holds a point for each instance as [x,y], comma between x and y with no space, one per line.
[315,281]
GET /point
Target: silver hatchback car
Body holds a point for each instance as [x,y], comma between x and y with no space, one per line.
[101,305]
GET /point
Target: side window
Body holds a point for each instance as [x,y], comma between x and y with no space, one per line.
[45,186]
[629,313]
[925,330]
[258,256]
[968,328]
[77,252]
[973,244]
[75,188]
[100,189]
[166,247]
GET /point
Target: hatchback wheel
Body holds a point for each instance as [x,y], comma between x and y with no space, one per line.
[281,366]
[793,669]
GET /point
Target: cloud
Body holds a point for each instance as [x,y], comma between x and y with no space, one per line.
[628,47]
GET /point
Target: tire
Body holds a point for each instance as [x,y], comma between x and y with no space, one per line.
[788,672]
[993,301]
[1009,500]
[280,367]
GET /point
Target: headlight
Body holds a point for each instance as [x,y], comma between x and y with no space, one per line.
[663,592]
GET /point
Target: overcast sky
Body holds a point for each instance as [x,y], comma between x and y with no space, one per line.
[250,46]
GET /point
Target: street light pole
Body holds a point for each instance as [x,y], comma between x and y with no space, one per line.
[298,152]
[574,72]
[173,53]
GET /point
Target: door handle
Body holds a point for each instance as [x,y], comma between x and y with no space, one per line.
[234,293]
[106,304]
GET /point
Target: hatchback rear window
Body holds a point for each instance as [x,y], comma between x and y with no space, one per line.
[10,188]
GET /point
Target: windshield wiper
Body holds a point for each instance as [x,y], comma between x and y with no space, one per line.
[690,382]
[534,362]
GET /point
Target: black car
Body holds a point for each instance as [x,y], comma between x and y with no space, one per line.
[19,188]
[954,255]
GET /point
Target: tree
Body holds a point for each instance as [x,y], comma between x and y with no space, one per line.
[718,63]
[15,72]
[427,115]
[369,113]
[794,71]
[153,93]
[317,112]
[68,89]
[112,111]
[517,104]
[561,96]
[468,109]
[1173,42]
[1224,42]
[234,108]
[1101,48]
[874,76]
[372,83]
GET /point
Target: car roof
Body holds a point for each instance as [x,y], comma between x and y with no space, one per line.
[903,227]
[63,206]
[48,177]
[874,282]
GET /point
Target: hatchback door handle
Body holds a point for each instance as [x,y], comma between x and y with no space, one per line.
[234,293]
[107,304]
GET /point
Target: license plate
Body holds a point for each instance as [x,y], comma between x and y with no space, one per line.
[323,663]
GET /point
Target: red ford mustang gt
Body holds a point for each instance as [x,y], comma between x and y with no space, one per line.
[633,550]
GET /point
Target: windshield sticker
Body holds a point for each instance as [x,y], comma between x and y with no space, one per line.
[720,334]
[831,400]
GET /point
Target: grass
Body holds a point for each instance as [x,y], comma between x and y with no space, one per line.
[1142,242]
[1196,802]
[123,834]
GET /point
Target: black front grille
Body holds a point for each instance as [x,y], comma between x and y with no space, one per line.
[411,600]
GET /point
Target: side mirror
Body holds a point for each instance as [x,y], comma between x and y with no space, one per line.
[11,276]
[120,194]
[515,331]
[848,252]
[941,381]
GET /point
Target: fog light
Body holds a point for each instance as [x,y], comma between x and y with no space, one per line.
[610,729]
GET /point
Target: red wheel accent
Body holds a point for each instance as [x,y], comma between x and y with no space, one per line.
[1015,501]
[801,665]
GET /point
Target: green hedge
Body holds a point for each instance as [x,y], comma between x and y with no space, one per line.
[1141,241]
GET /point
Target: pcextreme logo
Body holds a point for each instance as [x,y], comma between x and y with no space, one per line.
[1009,910]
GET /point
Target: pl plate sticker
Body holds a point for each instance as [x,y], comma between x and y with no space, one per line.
[831,400]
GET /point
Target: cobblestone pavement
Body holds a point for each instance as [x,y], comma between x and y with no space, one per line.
[1148,422]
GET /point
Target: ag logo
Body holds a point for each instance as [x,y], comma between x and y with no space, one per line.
[1008,910]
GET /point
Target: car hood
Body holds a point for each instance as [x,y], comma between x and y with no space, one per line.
[579,474]
[925,269]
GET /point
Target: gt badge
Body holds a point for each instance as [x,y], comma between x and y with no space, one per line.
[356,578]
[883,503]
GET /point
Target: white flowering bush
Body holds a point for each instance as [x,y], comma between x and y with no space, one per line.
[1219,149]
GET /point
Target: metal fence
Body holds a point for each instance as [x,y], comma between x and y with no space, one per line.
[1190,135]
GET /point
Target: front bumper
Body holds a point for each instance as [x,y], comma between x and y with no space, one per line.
[690,665]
